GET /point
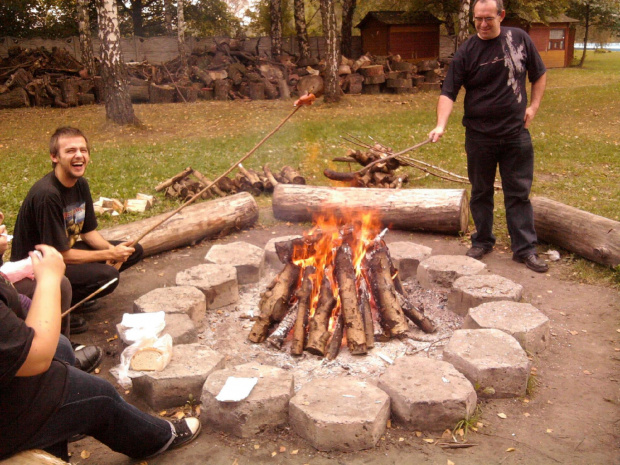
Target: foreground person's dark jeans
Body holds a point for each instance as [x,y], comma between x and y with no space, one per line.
[93,407]
[515,158]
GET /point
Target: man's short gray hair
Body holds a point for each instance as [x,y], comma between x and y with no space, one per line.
[500,4]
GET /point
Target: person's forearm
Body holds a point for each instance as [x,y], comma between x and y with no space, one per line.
[538,90]
[78,256]
[444,110]
[44,318]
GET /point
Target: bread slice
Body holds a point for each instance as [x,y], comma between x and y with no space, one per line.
[150,359]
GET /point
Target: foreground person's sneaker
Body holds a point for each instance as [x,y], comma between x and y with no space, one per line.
[185,431]
[77,325]
[87,358]
[477,252]
[533,262]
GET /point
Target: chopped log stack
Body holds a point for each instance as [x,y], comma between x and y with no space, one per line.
[222,71]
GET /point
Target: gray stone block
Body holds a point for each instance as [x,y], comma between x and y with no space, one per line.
[271,257]
[440,271]
[470,291]
[187,300]
[427,394]
[217,282]
[407,257]
[492,360]
[185,374]
[181,328]
[528,325]
[266,406]
[343,414]
[248,259]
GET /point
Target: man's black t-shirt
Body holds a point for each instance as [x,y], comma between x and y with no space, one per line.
[493,73]
[53,214]
[26,403]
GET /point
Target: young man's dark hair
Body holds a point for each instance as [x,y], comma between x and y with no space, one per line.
[64,131]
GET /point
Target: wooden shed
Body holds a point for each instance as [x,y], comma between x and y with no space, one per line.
[413,36]
[555,40]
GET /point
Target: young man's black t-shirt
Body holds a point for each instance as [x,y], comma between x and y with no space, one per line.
[493,73]
[26,402]
[53,214]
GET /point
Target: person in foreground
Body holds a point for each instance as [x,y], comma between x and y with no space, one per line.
[58,211]
[44,400]
[493,65]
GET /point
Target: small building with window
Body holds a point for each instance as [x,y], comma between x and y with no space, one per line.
[413,36]
[554,40]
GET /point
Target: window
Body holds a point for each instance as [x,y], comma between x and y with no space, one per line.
[556,39]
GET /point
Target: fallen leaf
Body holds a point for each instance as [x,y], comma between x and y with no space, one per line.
[160,274]
[526,414]
[430,441]
[562,313]
[97,371]
[236,462]
[84,454]
[574,333]
[510,449]
[502,415]
[179,415]
[274,453]
[256,446]
[389,423]
[473,428]
[418,433]
[127,391]
[450,462]
[163,413]
[401,439]
[587,372]
[549,402]
[282,449]
[295,452]
[549,430]
[447,434]
[479,424]
[460,432]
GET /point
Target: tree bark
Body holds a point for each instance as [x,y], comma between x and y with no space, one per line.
[304,296]
[276,339]
[463,23]
[434,210]
[302,32]
[591,236]
[16,98]
[86,44]
[275,9]
[168,16]
[332,58]
[181,35]
[336,341]
[318,330]
[348,9]
[345,277]
[118,106]
[585,38]
[366,311]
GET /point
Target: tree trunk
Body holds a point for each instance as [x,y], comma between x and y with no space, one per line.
[16,98]
[181,35]
[585,38]
[332,90]
[463,23]
[591,236]
[168,16]
[433,210]
[118,106]
[348,8]
[86,45]
[275,10]
[302,32]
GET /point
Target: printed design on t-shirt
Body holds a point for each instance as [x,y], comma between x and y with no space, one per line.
[514,60]
[74,221]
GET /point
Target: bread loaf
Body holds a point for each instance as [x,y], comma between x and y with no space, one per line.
[149,359]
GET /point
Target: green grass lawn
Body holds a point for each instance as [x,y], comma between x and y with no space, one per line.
[576,136]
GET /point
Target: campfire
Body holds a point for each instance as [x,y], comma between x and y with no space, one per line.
[338,285]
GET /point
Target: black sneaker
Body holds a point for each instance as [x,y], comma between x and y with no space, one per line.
[185,431]
[477,252]
[533,262]
[87,307]
[78,325]
[87,358]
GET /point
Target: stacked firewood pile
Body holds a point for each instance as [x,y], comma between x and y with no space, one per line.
[221,71]
[37,77]
[189,182]
[372,305]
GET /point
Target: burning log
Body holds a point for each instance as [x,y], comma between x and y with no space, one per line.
[336,341]
[304,295]
[366,311]
[345,277]
[276,339]
[318,333]
[384,293]
[274,302]
[436,210]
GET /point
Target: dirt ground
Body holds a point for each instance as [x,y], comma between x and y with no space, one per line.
[572,417]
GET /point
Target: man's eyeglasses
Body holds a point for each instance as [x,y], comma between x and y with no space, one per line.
[485,20]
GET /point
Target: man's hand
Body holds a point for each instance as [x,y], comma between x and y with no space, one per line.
[48,264]
[436,134]
[4,243]
[121,252]
[529,117]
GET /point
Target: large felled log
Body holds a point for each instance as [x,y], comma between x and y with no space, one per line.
[192,224]
[161,94]
[345,277]
[16,98]
[392,316]
[592,236]
[435,210]
[274,302]
[304,296]
[318,330]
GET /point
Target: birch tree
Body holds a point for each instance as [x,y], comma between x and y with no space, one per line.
[328,15]
[300,28]
[118,107]
[86,43]
[463,23]
[181,34]
[275,9]
[348,8]
[168,16]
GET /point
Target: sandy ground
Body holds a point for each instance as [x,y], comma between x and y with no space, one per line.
[573,415]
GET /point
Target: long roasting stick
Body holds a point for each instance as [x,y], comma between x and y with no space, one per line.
[298,105]
[88,297]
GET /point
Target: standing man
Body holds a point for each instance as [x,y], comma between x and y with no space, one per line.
[58,210]
[492,66]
